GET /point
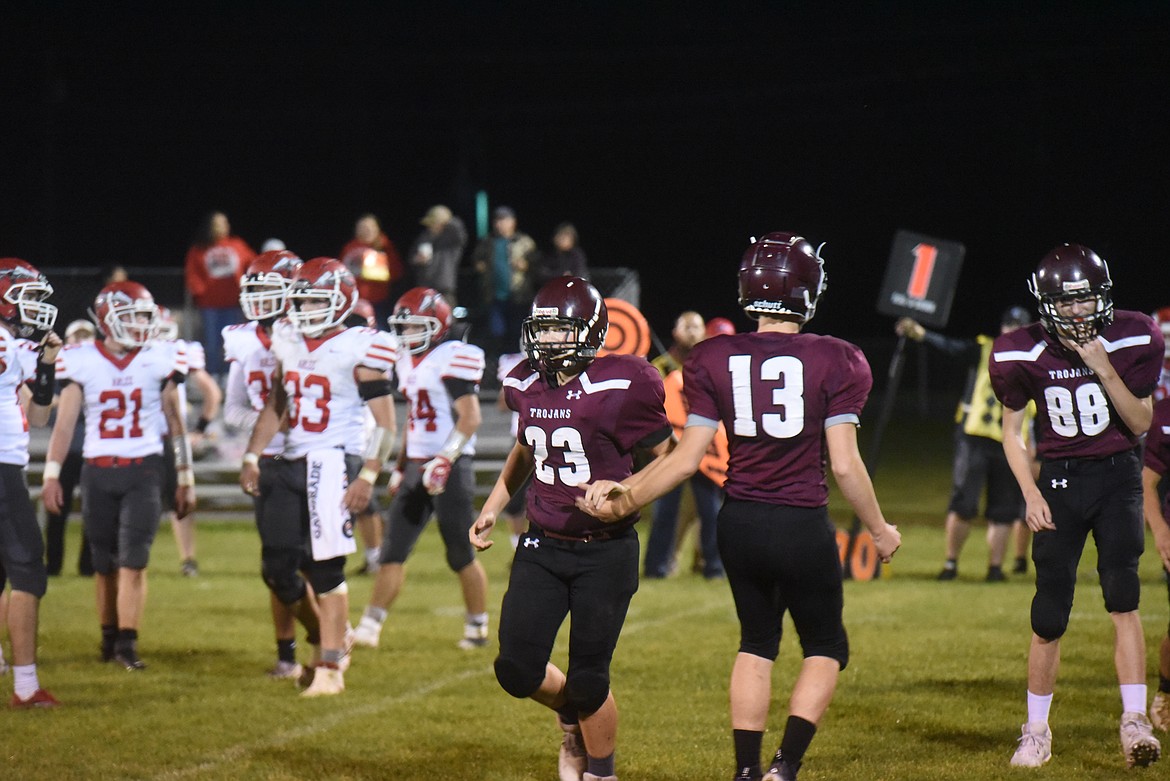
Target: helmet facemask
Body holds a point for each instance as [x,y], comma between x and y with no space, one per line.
[315,321]
[416,341]
[1077,328]
[264,296]
[132,323]
[570,354]
[34,315]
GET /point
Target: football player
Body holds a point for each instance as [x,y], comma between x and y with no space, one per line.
[28,354]
[251,364]
[1090,369]
[440,379]
[184,527]
[127,383]
[369,520]
[582,418]
[790,401]
[324,373]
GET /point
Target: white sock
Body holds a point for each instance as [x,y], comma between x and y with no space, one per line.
[376,615]
[24,680]
[1038,707]
[1133,697]
[372,557]
[477,619]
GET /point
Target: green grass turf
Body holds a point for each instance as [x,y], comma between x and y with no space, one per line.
[935,688]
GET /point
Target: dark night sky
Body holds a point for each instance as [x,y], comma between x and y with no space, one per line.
[668,135]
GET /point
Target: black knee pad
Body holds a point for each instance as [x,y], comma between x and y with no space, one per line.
[586,691]
[28,576]
[1049,617]
[1122,590]
[834,648]
[326,575]
[278,567]
[516,679]
[458,559]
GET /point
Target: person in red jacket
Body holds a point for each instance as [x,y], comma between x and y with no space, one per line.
[215,263]
[376,265]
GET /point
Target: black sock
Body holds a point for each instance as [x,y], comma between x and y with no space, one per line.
[313,638]
[1163,684]
[798,733]
[568,715]
[127,639]
[601,767]
[286,650]
[747,751]
[109,635]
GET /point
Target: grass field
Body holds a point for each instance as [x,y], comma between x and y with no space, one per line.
[935,689]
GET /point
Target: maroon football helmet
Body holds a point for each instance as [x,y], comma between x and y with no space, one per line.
[126,313]
[566,328]
[1069,273]
[425,307]
[781,275]
[322,295]
[23,299]
[265,284]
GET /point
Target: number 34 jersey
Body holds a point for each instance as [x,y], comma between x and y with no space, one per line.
[123,395]
[776,393]
[324,407]
[423,381]
[1074,416]
[584,431]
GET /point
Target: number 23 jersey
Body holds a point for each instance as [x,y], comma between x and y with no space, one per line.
[123,395]
[776,393]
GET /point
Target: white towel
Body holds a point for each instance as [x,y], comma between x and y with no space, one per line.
[330,527]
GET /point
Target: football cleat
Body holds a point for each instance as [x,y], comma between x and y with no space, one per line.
[326,681]
[285,671]
[474,636]
[1160,711]
[128,658]
[571,761]
[189,568]
[39,699]
[591,777]
[1138,743]
[1035,747]
[368,633]
[780,770]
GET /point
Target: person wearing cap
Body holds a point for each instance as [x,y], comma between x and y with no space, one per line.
[437,252]
[504,260]
[77,332]
[980,465]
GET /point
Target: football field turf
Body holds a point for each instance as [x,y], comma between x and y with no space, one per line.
[934,690]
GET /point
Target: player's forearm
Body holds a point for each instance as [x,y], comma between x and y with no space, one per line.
[667,471]
[1015,450]
[853,481]
[1151,503]
[1137,414]
[267,424]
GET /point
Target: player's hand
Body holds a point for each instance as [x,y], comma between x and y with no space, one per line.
[250,479]
[597,493]
[52,495]
[184,501]
[908,327]
[49,347]
[1093,354]
[396,478]
[435,473]
[479,531]
[1037,514]
[357,496]
[887,541]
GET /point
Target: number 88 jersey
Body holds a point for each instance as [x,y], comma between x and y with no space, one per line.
[776,393]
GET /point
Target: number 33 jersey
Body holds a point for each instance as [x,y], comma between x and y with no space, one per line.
[776,393]
[1074,416]
[324,407]
[584,431]
[123,395]
[18,365]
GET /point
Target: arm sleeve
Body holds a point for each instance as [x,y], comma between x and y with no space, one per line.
[966,349]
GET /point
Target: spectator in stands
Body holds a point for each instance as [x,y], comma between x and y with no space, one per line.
[504,261]
[215,263]
[375,263]
[77,332]
[567,258]
[438,251]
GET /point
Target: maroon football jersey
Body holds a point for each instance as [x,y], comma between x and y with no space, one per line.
[583,432]
[776,393]
[1157,455]
[1074,416]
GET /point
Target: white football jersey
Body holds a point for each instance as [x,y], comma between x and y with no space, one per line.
[122,395]
[324,407]
[18,365]
[431,416]
[504,367]
[248,349]
[196,359]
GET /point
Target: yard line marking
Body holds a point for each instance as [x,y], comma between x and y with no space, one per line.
[319,725]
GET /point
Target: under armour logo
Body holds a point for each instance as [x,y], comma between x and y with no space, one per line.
[531,542]
[1061,483]
[573,395]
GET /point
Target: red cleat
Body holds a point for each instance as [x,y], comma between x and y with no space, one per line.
[39,699]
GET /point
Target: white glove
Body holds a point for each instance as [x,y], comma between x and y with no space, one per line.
[435,473]
[395,482]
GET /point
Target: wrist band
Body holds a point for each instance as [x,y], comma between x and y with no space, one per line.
[251,459]
[369,475]
[52,471]
[202,424]
[185,478]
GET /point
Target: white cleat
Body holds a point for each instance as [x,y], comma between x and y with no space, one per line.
[1160,711]
[591,777]
[1035,747]
[1138,743]
[368,633]
[284,671]
[326,681]
[474,636]
[572,761]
